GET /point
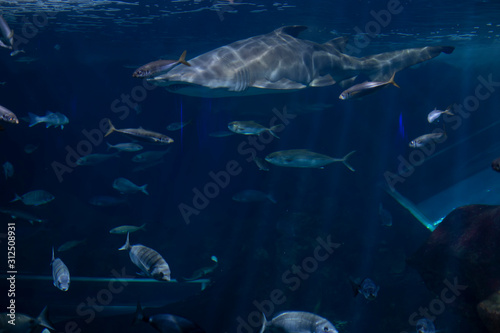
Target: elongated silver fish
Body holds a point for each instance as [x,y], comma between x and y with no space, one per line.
[252,128]
[177,126]
[94,159]
[366,88]
[128,146]
[435,114]
[20,214]
[70,244]
[253,196]
[304,158]
[60,273]
[35,198]
[125,186]
[124,229]
[149,156]
[7,39]
[21,323]
[159,67]
[426,138]
[199,273]
[142,135]
[8,116]
[298,322]
[148,260]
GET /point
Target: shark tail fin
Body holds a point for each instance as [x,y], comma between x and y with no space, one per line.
[391,80]
[182,59]
[111,128]
[43,320]
[344,160]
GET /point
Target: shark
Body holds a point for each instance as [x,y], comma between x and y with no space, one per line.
[279,61]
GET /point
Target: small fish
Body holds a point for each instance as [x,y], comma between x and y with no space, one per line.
[70,244]
[56,119]
[35,198]
[297,321]
[199,273]
[365,88]
[141,134]
[60,273]
[7,38]
[94,159]
[385,216]
[435,114]
[20,214]
[24,323]
[30,148]
[16,52]
[149,156]
[367,288]
[261,164]
[253,196]
[304,158]
[424,325]
[8,170]
[220,134]
[426,138]
[128,147]
[167,323]
[125,186]
[253,128]
[27,60]
[106,201]
[124,229]
[159,67]
[148,260]
[7,115]
[177,126]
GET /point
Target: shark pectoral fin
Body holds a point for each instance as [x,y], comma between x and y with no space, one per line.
[284,84]
[322,81]
[337,43]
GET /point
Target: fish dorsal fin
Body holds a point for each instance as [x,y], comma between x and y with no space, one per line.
[292,30]
[338,43]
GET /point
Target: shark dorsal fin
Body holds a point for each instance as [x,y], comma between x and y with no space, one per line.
[292,30]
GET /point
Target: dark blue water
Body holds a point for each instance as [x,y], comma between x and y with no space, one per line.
[81,65]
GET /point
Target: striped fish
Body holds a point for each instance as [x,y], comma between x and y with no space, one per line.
[141,134]
[148,260]
[60,273]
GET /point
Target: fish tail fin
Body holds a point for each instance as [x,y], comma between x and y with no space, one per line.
[111,128]
[142,227]
[16,198]
[277,128]
[127,244]
[345,158]
[448,110]
[391,81]
[109,146]
[264,323]
[34,119]
[143,189]
[182,59]
[43,320]
[53,256]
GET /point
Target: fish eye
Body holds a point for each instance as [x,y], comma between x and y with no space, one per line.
[325,328]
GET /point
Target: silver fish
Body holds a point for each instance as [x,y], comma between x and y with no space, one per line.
[365,88]
[220,134]
[35,198]
[149,156]
[8,169]
[56,119]
[298,322]
[261,164]
[124,229]
[19,214]
[94,159]
[7,115]
[435,114]
[60,273]
[106,201]
[177,126]
[7,39]
[70,244]
[123,185]
[304,158]
[141,134]
[21,323]
[252,128]
[167,323]
[253,196]
[148,260]
[426,138]
[16,52]
[159,67]
[30,148]
[128,147]
[367,288]
[199,273]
